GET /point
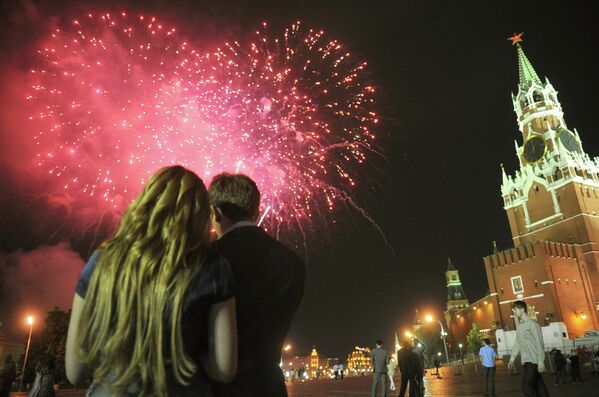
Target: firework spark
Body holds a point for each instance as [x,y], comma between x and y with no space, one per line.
[116,97]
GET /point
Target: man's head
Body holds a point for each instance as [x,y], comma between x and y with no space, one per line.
[519,309]
[233,198]
[487,341]
[379,343]
[406,344]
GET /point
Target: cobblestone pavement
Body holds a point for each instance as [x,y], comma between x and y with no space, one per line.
[507,385]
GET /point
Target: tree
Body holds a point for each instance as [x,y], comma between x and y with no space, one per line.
[431,336]
[49,347]
[474,343]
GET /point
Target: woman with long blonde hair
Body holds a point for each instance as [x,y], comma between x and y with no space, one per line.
[154,309]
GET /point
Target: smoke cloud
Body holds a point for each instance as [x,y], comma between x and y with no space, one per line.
[34,282]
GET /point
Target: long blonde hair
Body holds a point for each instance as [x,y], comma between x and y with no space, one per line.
[140,281]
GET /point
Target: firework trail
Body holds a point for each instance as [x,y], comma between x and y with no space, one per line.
[115,97]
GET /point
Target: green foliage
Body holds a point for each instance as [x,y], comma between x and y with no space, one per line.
[431,336]
[474,342]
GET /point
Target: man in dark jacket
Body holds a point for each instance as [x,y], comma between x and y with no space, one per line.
[269,283]
[409,367]
[560,367]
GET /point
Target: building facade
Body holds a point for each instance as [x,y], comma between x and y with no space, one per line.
[359,361]
[552,205]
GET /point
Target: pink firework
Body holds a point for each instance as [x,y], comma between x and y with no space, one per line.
[118,97]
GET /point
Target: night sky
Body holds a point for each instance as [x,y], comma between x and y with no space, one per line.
[444,72]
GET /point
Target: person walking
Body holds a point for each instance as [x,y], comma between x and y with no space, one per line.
[575,367]
[269,286]
[560,367]
[380,359]
[529,344]
[409,367]
[391,372]
[487,357]
[437,364]
[154,308]
[8,373]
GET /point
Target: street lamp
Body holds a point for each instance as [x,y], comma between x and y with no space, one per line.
[30,322]
[411,335]
[429,319]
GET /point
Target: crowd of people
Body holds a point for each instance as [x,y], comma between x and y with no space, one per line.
[528,345]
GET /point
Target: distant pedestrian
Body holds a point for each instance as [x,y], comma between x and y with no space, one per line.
[487,357]
[380,359]
[8,373]
[43,385]
[437,364]
[560,367]
[391,372]
[575,367]
[409,367]
[37,381]
[529,343]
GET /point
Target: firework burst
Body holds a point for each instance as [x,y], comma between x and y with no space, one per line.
[116,97]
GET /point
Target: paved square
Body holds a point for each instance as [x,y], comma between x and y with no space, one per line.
[507,385]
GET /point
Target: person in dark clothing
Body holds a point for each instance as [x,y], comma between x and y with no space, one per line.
[8,373]
[269,281]
[575,367]
[409,367]
[437,364]
[560,367]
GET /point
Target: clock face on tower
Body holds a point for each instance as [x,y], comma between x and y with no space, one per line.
[568,140]
[534,149]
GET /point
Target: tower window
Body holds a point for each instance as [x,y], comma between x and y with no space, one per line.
[537,96]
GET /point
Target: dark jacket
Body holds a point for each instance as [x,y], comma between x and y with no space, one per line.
[409,364]
[559,360]
[269,282]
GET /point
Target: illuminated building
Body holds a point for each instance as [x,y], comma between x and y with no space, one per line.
[359,361]
[314,364]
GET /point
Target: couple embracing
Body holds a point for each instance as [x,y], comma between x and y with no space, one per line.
[159,310]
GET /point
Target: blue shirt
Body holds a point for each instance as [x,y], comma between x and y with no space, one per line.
[488,354]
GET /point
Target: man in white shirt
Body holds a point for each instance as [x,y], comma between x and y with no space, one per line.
[529,344]
[487,357]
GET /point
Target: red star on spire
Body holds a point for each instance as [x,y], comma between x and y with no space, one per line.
[517,37]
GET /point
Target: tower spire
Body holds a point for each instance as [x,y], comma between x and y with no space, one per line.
[456,298]
[449,264]
[526,72]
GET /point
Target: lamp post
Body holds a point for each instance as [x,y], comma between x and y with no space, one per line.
[430,319]
[411,335]
[30,322]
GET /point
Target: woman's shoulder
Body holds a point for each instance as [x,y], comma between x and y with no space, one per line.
[86,274]
[215,278]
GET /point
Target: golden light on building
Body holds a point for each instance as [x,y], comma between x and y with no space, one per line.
[314,363]
[359,361]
